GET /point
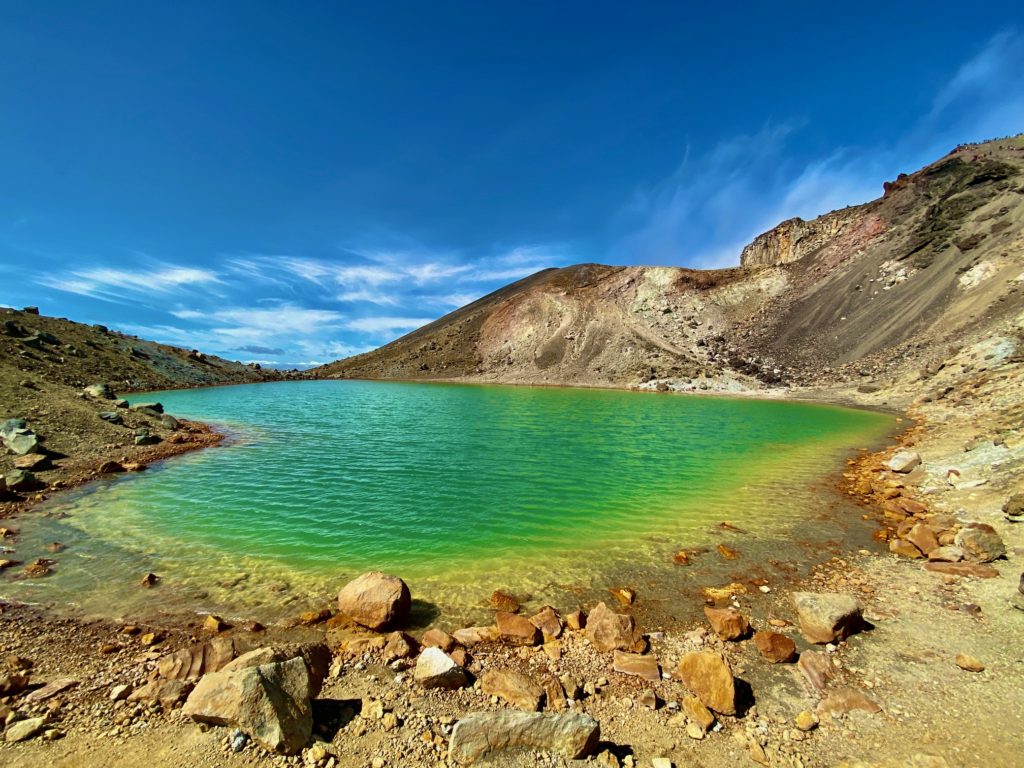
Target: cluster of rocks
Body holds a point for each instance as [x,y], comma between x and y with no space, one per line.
[949,545]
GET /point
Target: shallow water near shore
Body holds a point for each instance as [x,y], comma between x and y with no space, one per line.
[460,489]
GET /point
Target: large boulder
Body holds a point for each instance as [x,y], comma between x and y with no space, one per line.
[317,657]
[481,733]
[269,702]
[710,679]
[979,542]
[375,600]
[610,631]
[436,669]
[514,687]
[826,617]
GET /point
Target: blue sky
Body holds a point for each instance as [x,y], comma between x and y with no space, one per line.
[292,183]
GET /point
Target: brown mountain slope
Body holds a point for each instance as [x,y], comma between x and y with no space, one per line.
[866,290]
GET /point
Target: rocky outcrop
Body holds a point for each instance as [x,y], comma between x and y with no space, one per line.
[795,238]
[482,733]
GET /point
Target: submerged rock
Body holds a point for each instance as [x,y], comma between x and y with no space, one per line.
[375,600]
[481,733]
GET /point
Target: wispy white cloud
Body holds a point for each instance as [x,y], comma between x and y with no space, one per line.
[712,205]
[115,284]
[368,296]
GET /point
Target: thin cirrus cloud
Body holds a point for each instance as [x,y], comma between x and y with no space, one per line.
[713,204]
[115,284]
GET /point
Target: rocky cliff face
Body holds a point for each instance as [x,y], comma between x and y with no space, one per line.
[795,238]
[862,295]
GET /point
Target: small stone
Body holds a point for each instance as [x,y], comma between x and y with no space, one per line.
[698,714]
[23,730]
[969,663]
[120,692]
[437,638]
[806,720]
[694,731]
[645,666]
[728,623]
[435,669]
[775,647]
[214,624]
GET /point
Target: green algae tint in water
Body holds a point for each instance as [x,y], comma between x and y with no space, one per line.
[457,488]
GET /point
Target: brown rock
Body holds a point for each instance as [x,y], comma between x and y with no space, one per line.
[167,693]
[980,543]
[728,623]
[624,595]
[110,468]
[698,713]
[375,600]
[826,617]
[976,570]
[609,631]
[727,553]
[576,620]
[817,669]
[923,537]
[514,687]
[548,622]
[311,618]
[516,630]
[645,666]
[904,548]
[479,734]
[437,638]
[502,601]
[399,646]
[197,660]
[843,700]
[968,663]
[470,636]
[710,679]
[214,624]
[946,554]
[554,693]
[775,647]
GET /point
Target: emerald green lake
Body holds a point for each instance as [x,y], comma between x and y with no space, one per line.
[459,489]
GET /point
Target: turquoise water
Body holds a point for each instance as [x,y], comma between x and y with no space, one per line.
[457,488]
